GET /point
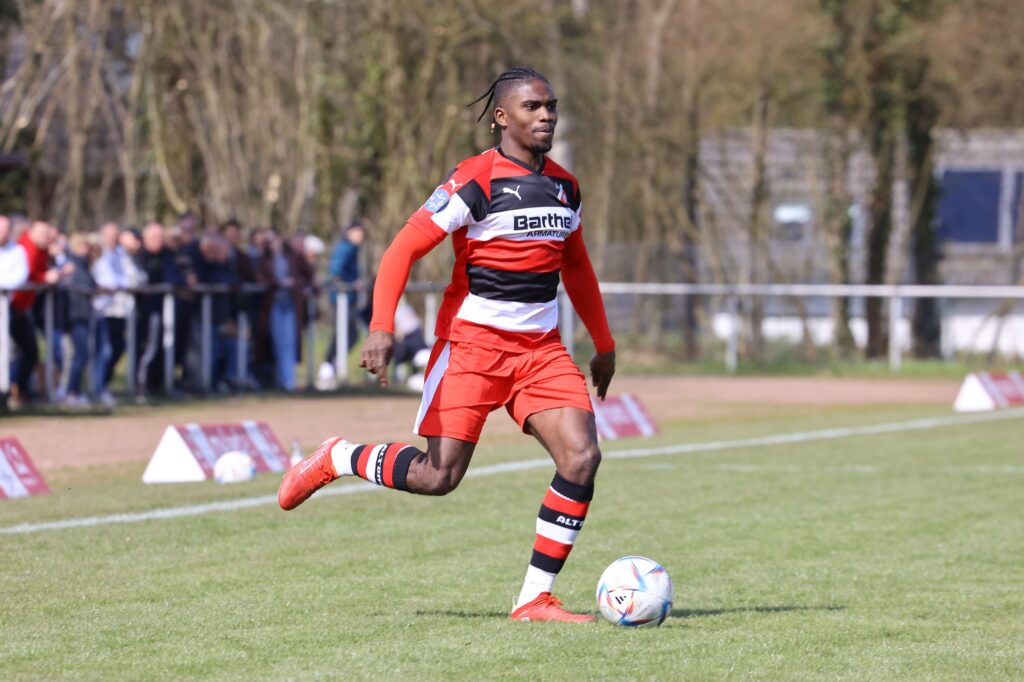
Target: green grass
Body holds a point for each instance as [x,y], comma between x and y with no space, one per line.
[876,557]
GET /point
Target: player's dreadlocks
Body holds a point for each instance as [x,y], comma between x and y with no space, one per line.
[502,84]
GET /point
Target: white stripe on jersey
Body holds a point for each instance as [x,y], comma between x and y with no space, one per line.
[430,385]
[555,532]
[454,215]
[502,225]
[511,316]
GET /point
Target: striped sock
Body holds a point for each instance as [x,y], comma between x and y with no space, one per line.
[558,523]
[385,464]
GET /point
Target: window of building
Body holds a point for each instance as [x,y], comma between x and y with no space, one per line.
[968,209]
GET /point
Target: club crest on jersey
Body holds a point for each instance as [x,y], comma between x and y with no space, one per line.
[562,196]
[438,200]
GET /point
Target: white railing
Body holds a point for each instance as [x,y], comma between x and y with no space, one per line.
[731,293]
[895,294]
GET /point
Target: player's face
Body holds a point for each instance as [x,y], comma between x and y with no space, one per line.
[528,116]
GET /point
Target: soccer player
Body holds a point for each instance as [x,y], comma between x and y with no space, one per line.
[514,219]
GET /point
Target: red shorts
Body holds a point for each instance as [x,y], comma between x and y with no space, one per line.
[464,383]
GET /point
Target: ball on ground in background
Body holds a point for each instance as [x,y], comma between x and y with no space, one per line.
[635,591]
[234,467]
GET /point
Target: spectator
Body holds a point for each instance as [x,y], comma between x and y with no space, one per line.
[263,371]
[312,248]
[283,269]
[13,274]
[130,240]
[112,271]
[344,269]
[61,326]
[409,341]
[35,242]
[186,320]
[243,271]
[156,266]
[213,269]
[80,286]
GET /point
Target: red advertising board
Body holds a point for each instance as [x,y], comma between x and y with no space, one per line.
[188,452]
[18,476]
[983,391]
[622,416]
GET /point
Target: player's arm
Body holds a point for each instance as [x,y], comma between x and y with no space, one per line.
[581,285]
[451,206]
[411,243]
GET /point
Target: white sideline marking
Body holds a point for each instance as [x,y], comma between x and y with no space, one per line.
[539,463]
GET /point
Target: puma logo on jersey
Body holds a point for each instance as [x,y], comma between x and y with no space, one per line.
[506,190]
[455,185]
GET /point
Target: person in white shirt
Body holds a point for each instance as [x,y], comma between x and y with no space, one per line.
[13,274]
[13,261]
[113,271]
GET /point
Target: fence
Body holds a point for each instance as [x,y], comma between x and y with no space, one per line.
[895,295]
[730,294]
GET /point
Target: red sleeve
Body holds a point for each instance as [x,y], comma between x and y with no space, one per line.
[581,285]
[410,244]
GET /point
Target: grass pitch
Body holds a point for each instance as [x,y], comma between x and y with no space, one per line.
[873,557]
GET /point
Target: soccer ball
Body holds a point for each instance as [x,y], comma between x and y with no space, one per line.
[234,467]
[635,592]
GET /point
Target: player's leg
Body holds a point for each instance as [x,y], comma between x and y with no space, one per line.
[436,471]
[457,398]
[570,436]
[553,405]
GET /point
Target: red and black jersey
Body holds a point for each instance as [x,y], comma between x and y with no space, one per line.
[514,230]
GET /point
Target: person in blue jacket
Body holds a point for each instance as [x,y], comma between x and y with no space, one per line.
[344,268]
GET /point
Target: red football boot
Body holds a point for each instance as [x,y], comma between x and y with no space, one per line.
[308,476]
[547,607]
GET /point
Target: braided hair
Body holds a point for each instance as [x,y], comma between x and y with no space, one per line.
[503,83]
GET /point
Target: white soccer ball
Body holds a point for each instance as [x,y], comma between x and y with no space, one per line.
[234,467]
[635,592]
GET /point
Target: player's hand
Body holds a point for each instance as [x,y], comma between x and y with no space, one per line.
[602,369]
[376,354]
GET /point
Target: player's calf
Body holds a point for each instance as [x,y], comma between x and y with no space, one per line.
[435,480]
[385,464]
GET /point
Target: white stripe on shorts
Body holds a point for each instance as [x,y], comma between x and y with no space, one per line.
[430,385]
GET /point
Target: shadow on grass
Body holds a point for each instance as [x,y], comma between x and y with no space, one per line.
[447,613]
[701,613]
[675,613]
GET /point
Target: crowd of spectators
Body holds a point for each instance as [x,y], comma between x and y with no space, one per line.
[100,284]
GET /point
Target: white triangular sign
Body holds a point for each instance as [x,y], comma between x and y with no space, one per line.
[173,462]
[973,396]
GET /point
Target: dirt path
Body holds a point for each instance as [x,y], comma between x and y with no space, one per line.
[131,435]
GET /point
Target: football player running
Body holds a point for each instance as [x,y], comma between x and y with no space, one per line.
[514,219]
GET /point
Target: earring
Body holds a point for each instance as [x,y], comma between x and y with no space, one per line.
[493,127]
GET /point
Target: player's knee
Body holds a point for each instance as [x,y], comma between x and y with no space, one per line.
[590,458]
[584,463]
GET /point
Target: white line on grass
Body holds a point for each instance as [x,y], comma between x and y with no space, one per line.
[526,464]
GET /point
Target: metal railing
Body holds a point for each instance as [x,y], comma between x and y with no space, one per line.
[895,294]
[168,294]
[731,293]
